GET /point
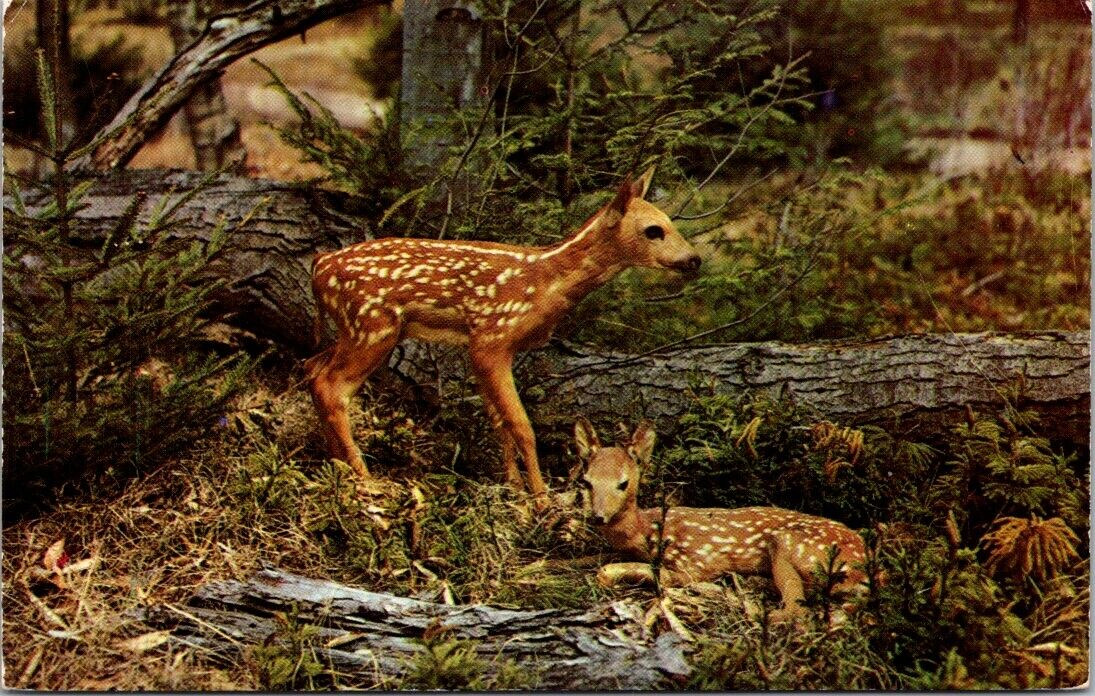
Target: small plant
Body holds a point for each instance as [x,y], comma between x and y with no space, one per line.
[450,664]
[104,357]
[289,660]
[1030,547]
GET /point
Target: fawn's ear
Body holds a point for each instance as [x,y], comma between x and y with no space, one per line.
[624,194]
[585,437]
[642,442]
[641,185]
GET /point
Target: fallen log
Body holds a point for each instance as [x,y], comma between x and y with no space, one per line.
[915,383]
[275,229]
[372,639]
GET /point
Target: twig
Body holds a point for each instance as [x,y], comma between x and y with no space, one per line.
[741,136]
[728,201]
[978,284]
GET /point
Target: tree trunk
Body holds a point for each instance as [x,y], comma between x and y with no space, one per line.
[373,639]
[226,38]
[442,70]
[214,133]
[917,383]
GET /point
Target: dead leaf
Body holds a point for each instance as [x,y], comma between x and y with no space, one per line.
[145,642]
[54,554]
[343,639]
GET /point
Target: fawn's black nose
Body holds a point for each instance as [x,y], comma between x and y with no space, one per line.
[692,264]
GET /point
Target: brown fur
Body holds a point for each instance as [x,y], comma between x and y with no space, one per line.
[497,299]
[704,544]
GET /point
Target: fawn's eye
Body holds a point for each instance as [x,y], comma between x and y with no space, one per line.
[654,232]
[622,485]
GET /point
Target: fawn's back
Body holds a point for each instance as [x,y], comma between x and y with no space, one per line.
[707,543]
[439,291]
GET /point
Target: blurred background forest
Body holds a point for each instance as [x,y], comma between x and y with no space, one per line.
[849,169]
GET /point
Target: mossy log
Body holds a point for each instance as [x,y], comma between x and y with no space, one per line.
[912,384]
[373,639]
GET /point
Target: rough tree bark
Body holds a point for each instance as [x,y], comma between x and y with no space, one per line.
[372,639]
[275,229]
[227,37]
[918,382]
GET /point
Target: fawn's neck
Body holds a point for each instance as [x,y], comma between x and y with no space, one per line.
[631,531]
[581,263]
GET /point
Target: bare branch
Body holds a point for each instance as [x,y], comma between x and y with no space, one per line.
[226,38]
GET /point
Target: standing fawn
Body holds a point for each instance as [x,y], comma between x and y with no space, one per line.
[497,299]
[703,544]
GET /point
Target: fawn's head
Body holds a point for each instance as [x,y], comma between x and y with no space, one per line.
[611,476]
[646,235]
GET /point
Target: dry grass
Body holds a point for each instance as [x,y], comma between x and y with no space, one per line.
[256,492]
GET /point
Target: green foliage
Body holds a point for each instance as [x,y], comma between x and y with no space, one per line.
[446,664]
[289,661]
[373,168]
[441,533]
[869,254]
[779,455]
[103,349]
[454,664]
[997,468]
[539,158]
[377,68]
[962,582]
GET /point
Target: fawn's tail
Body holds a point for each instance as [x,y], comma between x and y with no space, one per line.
[312,364]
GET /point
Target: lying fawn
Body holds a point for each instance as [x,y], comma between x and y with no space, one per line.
[495,298]
[703,544]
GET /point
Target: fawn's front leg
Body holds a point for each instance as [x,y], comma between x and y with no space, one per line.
[639,573]
[509,448]
[493,370]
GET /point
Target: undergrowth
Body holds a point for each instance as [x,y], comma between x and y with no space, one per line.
[978,592]
[979,535]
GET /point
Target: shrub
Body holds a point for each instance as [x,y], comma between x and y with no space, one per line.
[103,79]
[103,349]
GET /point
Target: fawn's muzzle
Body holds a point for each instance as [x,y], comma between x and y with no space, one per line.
[689,265]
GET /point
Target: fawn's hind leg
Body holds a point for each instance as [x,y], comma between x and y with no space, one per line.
[788,582]
[336,376]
